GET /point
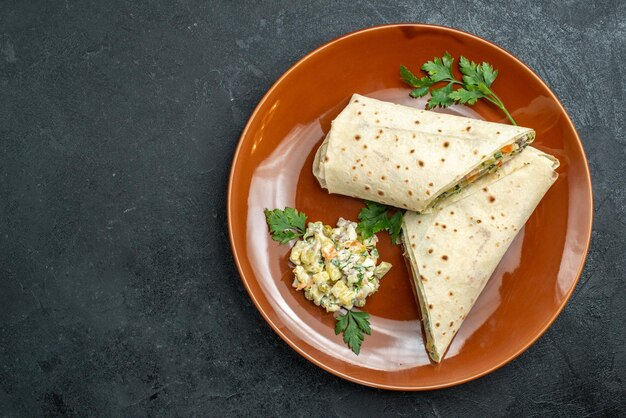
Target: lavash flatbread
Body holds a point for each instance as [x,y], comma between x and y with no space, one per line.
[454,250]
[405,157]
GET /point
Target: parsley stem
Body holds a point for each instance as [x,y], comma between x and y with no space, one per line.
[496,100]
[508,115]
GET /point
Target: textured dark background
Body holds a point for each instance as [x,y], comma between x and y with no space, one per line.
[118,292]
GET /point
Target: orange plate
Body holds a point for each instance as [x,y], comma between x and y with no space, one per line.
[272,169]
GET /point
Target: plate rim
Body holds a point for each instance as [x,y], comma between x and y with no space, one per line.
[276,328]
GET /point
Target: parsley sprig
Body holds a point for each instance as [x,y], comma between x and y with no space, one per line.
[475,84]
[375,217]
[353,324]
[285,225]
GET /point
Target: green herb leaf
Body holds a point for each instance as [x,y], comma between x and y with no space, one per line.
[489,74]
[440,69]
[286,224]
[362,320]
[342,323]
[440,97]
[395,226]
[475,74]
[464,96]
[408,77]
[419,92]
[421,84]
[375,218]
[353,324]
[359,283]
[469,69]
[482,87]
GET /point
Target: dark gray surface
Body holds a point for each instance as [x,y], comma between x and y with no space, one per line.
[119,295]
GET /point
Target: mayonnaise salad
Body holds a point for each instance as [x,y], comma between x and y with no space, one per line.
[335,267]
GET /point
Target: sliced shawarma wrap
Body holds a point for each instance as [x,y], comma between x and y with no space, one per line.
[410,158]
[454,250]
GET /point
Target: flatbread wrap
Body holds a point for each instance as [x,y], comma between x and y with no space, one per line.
[454,250]
[410,158]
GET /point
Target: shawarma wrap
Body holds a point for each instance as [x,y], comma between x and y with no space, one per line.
[454,250]
[410,158]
